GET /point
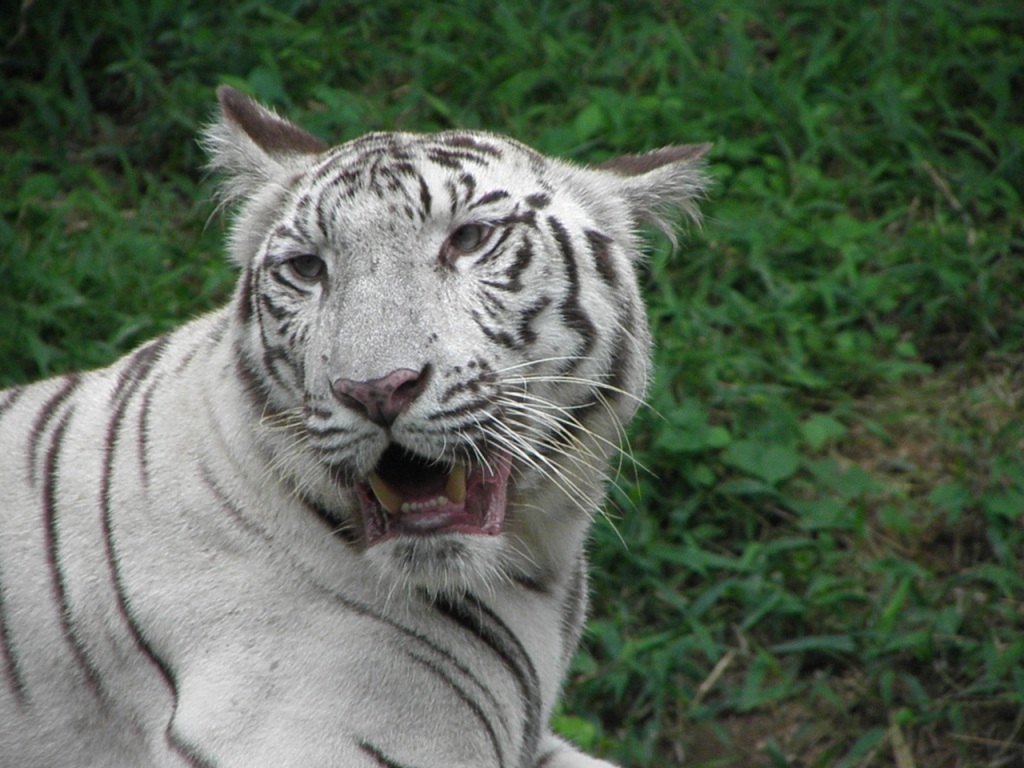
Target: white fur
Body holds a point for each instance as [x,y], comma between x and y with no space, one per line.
[221,621]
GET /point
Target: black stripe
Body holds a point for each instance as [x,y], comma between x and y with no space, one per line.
[304,234]
[470,434]
[546,758]
[274,357]
[490,197]
[474,707]
[453,158]
[398,171]
[572,312]
[319,412]
[574,608]
[137,366]
[297,336]
[52,543]
[252,384]
[210,340]
[453,198]
[276,311]
[526,333]
[272,354]
[11,396]
[425,198]
[321,215]
[450,159]
[243,302]
[494,248]
[504,338]
[275,375]
[220,329]
[189,751]
[539,583]
[324,166]
[329,166]
[538,200]
[347,178]
[143,432]
[599,248]
[380,757]
[484,625]
[372,174]
[132,378]
[11,667]
[613,380]
[469,183]
[514,274]
[46,414]
[340,528]
[493,306]
[472,406]
[278,276]
[622,356]
[226,504]
[319,431]
[529,218]
[236,514]
[301,218]
[472,385]
[469,142]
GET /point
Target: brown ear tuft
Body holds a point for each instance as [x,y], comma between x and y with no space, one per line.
[635,165]
[271,133]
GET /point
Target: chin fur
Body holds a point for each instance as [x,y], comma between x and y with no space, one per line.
[448,565]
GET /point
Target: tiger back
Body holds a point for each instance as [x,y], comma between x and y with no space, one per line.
[340,521]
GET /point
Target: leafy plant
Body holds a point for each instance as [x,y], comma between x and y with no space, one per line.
[821,548]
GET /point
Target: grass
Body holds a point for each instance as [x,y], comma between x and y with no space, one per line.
[823,566]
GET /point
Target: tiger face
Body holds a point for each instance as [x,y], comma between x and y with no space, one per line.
[443,332]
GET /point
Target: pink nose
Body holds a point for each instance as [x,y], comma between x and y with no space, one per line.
[382,400]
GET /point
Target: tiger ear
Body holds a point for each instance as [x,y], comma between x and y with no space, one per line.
[658,183]
[252,145]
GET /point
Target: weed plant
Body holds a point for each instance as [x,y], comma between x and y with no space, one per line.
[817,559]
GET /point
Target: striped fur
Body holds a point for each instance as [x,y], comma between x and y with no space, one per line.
[198,566]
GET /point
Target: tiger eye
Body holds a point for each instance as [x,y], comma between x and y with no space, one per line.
[469,237]
[308,266]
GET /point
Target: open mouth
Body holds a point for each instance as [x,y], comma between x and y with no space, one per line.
[407,494]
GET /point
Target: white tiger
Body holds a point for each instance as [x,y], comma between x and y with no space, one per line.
[341,521]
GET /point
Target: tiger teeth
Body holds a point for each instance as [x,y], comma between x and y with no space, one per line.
[455,489]
[419,506]
[387,497]
[391,500]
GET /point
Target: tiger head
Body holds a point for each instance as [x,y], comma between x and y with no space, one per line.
[443,333]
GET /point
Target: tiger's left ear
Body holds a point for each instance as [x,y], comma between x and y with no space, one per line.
[252,145]
[658,183]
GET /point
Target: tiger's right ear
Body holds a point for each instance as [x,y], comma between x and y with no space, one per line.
[252,145]
[657,184]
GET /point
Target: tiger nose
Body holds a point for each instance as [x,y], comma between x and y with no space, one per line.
[382,400]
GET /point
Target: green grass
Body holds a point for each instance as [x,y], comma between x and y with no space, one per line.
[823,558]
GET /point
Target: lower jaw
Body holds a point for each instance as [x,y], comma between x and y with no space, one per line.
[450,564]
[423,525]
